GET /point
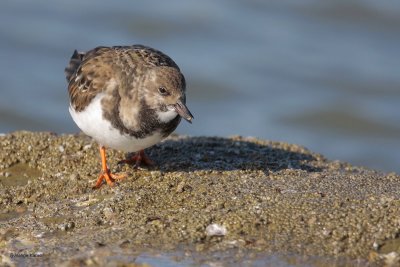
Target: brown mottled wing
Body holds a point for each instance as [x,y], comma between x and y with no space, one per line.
[149,56]
[87,74]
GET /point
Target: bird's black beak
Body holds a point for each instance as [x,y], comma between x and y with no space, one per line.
[183,111]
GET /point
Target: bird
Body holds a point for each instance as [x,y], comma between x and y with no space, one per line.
[126,98]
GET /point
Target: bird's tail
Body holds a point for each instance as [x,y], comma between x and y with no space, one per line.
[74,64]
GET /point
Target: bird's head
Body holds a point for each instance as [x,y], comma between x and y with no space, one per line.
[165,92]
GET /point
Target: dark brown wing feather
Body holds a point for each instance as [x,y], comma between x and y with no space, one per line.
[149,56]
[88,73]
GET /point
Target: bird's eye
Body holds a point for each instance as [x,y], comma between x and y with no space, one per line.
[163,91]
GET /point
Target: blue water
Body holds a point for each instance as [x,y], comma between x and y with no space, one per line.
[323,74]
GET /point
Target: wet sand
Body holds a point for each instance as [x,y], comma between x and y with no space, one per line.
[236,199]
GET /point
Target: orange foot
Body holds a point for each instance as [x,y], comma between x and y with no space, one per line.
[105,172]
[109,178]
[140,158]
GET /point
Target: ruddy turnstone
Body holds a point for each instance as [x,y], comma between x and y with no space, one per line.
[127,98]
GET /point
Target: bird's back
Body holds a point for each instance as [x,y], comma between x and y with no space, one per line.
[118,55]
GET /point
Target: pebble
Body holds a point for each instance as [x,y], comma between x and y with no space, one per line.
[216,230]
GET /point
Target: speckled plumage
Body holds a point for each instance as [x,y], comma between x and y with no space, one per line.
[129,77]
[125,97]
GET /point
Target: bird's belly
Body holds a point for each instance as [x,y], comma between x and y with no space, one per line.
[92,123]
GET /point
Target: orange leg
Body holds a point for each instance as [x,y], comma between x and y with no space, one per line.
[138,159]
[105,172]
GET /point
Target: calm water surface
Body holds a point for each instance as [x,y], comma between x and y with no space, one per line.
[323,74]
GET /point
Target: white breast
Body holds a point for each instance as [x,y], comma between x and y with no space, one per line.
[92,123]
[166,116]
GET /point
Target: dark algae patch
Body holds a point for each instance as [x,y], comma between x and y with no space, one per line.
[225,200]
